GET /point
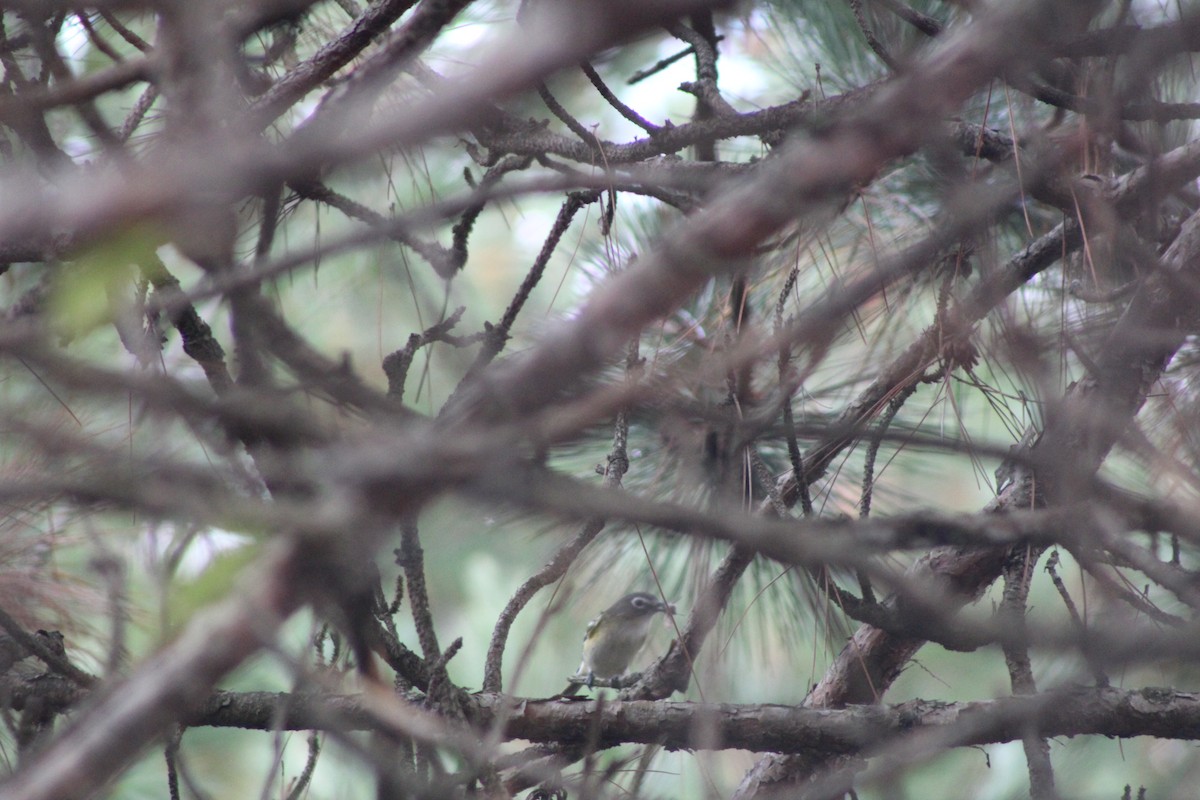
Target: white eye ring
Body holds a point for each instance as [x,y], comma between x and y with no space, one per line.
[640,602]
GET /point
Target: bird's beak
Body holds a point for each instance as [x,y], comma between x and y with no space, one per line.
[667,608]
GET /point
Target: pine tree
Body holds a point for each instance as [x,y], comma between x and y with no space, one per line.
[362,353]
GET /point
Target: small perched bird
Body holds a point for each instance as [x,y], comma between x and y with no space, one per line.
[614,638]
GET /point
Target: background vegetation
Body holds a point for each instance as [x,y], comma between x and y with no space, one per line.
[356,354]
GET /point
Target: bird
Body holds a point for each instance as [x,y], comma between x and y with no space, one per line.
[614,638]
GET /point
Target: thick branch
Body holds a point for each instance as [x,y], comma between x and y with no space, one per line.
[713,726]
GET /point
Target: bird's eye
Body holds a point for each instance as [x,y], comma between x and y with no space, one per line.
[639,602]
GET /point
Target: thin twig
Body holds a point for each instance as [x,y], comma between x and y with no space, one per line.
[1017,578]
[1098,674]
[922,22]
[37,646]
[565,117]
[661,64]
[614,101]
[873,42]
[565,556]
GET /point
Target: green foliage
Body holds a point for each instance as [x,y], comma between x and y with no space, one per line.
[86,289]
